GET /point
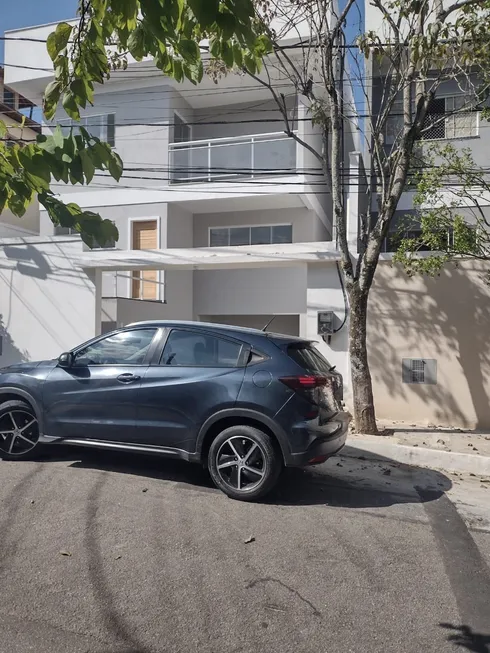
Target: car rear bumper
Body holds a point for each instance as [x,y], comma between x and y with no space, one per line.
[324,441]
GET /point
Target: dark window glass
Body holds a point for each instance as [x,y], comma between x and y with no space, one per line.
[240,236]
[124,348]
[9,98]
[219,237]
[190,349]
[182,131]
[260,235]
[309,358]
[282,234]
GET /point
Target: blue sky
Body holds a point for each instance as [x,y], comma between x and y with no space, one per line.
[23,13]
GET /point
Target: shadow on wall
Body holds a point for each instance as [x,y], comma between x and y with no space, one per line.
[446,318]
[30,261]
[9,353]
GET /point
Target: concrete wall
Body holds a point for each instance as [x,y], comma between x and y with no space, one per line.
[288,324]
[47,306]
[447,319]
[256,292]
[324,293]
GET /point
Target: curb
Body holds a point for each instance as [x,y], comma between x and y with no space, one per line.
[432,458]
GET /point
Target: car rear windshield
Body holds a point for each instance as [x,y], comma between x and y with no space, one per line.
[309,358]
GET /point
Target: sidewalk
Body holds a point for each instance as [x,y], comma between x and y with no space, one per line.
[445,449]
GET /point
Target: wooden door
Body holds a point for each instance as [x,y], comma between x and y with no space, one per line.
[145,236]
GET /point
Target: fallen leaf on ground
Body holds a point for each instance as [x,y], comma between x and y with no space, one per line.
[145,489]
[65,553]
[118,557]
[249,539]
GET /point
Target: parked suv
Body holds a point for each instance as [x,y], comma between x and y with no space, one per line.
[240,401]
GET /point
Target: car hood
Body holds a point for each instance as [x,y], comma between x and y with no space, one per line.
[25,368]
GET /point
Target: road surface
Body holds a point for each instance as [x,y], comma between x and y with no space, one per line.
[112,553]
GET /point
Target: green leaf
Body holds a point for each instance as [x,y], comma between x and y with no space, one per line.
[189,50]
[58,40]
[87,166]
[70,105]
[3,129]
[238,55]
[58,138]
[137,43]
[178,70]
[249,63]
[205,11]
[228,24]
[116,166]
[79,90]
[52,96]
[227,53]
[76,171]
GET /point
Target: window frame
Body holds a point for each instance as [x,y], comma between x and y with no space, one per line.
[157,336]
[250,227]
[70,123]
[242,356]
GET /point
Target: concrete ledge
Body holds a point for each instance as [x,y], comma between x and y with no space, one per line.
[378,449]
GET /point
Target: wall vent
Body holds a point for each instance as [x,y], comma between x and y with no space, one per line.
[419,371]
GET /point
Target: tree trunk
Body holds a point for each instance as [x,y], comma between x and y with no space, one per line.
[362,387]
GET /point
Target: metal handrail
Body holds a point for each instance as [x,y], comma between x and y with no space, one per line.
[232,139]
[131,276]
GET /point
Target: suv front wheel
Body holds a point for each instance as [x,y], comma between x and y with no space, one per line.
[244,463]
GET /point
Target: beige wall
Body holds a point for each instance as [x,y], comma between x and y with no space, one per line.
[446,318]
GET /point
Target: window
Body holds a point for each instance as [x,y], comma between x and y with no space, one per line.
[191,349]
[267,235]
[124,348]
[9,98]
[450,117]
[102,127]
[309,358]
[447,117]
[182,131]
[65,231]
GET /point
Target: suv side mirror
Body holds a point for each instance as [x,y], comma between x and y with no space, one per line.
[66,360]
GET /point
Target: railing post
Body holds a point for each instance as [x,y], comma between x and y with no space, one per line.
[209,160]
[252,167]
[115,284]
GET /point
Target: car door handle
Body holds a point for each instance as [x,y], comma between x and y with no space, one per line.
[128,378]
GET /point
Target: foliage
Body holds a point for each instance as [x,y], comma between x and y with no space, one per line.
[450,191]
[174,34]
[26,171]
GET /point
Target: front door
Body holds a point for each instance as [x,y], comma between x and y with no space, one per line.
[145,282]
[197,375]
[97,397]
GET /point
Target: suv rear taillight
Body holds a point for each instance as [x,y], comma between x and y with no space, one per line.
[304,382]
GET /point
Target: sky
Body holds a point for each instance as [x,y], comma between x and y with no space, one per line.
[24,13]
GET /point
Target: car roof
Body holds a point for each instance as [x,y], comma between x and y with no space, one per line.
[218,327]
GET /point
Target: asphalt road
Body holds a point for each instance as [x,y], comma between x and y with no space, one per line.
[107,553]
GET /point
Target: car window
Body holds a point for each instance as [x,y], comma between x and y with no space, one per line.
[190,349]
[309,358]
[124,348]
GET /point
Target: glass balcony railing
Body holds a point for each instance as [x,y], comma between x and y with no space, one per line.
[238,156]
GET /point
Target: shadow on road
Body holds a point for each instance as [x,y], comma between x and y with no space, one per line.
[334,484]
[466,637]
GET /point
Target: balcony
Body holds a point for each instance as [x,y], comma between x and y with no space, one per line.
[216,159]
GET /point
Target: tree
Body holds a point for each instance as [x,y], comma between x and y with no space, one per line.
[26,170]
[452,194]
[420,45]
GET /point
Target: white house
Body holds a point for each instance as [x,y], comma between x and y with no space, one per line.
[222,217]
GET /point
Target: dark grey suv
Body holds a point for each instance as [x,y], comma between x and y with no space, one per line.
[240,401]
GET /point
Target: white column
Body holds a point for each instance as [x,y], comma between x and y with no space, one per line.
[98,301]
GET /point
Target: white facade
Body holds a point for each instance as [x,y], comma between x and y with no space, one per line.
[204,163]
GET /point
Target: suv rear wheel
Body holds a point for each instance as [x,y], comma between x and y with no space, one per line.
[244,463]
[19,430]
